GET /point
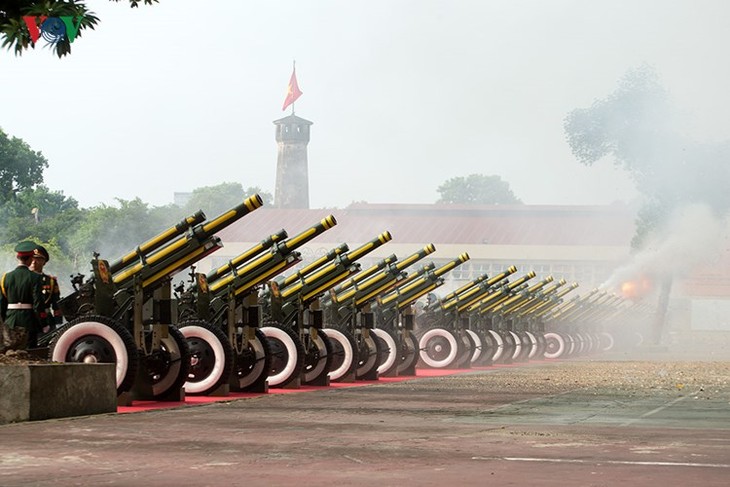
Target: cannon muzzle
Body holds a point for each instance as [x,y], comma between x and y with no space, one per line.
[335,272]
[156,242]
[272,263]
[180,253]
[265,244]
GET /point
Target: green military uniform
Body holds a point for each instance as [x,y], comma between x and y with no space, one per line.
[51,295]
[21,302]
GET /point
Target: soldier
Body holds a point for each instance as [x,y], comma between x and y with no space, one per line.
[51,291]
[21,301]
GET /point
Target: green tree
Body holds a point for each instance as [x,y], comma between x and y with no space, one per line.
[17,36]
[477,189]
[39,214]
[21,167]
[214,200]
[113,231]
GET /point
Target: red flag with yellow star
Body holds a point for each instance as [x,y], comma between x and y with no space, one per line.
[292,91]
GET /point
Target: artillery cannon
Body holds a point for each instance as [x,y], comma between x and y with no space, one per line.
[388,349]
[124,313]
[293,311]
[395,311]
[226,302]
[450,313]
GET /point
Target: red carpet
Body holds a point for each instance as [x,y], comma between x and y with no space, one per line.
[138,406]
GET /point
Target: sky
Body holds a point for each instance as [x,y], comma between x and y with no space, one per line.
[404,94]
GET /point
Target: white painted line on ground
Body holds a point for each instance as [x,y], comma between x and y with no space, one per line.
[654,411]
[605,462]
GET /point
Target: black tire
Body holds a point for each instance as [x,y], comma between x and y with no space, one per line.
[368,353]
[389,353]
[467,346]
[439,348]
[98,339]
[211,357]
[344,347]
[287,355]
[253,363]
[408,356]
[166,368]
[317,355]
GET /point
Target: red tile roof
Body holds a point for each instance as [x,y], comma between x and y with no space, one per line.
[450,224]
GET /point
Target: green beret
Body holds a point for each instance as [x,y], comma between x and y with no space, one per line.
[25,248]
[41,251]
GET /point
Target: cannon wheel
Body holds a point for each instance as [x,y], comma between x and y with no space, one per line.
[478,346]
[368,354]
[166,367]
[211,357]
[408,356]
[555,345]
[499,347]
[533,345]
[343,353]
[98,339]
[439,348]
[605,340]
[317,355]
[389,354]
[254,361]
[287,355]
[518,345]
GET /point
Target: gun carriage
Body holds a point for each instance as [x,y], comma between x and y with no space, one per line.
[124,314]
[294,315]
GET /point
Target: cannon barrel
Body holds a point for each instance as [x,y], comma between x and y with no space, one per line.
[569,305]
[536,298]
[362,275]
[481,300]
[313,266]
[477,289]
[515,302]
[195,245]
[383,280]
[156,242]
[553,300]
[334,272]
[272,263]
[249,254]
[405,293]
[488,304]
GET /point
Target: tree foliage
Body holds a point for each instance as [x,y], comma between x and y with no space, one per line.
[637,126]
[14,30]
[21,168]
[214,200]
[477,189]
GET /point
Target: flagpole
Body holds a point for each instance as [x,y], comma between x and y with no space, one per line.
[294,70]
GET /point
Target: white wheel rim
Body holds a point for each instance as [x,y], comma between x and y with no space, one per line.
[79,330]
[392,355]
[533,342]
[557,339]
[500,344]
[477,346]
[348,353]
[194,331]
[518,345]
[423,343]
[291,351]
[609,339]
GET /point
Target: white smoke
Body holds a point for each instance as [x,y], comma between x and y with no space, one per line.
[692,237]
